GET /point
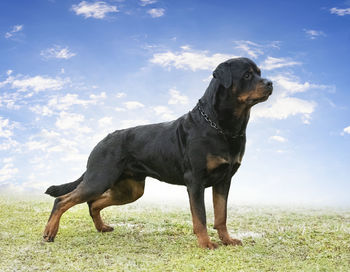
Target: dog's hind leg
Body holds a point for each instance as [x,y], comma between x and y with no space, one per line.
[125,191]
[61,204]
[95,183]
[95,206]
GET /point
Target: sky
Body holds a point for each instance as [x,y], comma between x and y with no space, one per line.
[72,71]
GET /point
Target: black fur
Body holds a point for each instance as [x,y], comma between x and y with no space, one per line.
[188,151]
[59,190]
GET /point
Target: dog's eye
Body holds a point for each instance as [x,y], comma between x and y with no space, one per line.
[247,75]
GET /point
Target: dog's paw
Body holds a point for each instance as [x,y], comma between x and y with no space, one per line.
[232,241]
[50,233]
[208,244]
[47,238]
[106,228]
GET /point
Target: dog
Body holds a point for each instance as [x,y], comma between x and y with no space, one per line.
[201,149]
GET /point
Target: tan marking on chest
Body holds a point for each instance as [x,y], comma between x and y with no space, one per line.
[238,158]
[215,161]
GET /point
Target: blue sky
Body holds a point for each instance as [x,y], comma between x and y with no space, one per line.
[73,71]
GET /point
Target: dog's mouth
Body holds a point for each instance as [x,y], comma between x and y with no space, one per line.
[267,92]
[267,89]
[260,94]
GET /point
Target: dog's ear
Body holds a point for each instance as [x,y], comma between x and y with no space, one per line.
[223,74]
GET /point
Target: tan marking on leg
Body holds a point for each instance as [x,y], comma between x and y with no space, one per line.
[125,191]
[67,201]
[215,161]
[220,213]
[102,202]
[200,231]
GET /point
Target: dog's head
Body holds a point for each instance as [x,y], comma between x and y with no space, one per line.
[241,80]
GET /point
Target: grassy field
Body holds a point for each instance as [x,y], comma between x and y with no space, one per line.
[151,238]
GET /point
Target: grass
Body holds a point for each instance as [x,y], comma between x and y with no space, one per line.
[153,238]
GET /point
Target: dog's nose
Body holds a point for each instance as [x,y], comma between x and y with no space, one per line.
[268,83]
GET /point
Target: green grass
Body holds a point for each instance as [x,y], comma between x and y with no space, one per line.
[151,238]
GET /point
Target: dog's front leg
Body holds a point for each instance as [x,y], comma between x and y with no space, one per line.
[220,194]
[196,195]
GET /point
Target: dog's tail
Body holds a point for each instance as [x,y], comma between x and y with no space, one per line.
[58,190]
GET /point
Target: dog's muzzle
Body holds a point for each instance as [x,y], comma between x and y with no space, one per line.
[268,86]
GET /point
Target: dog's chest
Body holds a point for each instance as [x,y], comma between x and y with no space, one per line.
[216,161]
[221,167]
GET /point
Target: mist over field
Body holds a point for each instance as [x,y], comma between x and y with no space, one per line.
[149,237]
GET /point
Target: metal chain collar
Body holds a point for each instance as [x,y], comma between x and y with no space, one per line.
[214,125]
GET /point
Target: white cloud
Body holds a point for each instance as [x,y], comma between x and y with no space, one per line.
[7,160]
[185,47]
[120,95]
[177,98]
[67,121]
[147,2]
[38,83]
[133,123]
[282,104]
[288,84]
[156,12]
[50,141]
[68,100]
[189,59]
[48,146]
[64,102]
[7,81]
[250,48]
[57,52]
[278,138]
[271,63]
[105,121]
[131,105]
[15,29]
[6,133]
[8,144]
[254,50]
[59,103]
[165,113]
[97,10]
[119,109]
[41,110]
[36,145]
[285,107]
[347,130]
[6,128]
[9,99]
[49,134]
[340,12]
[8,171]
[98,96]
[314,34]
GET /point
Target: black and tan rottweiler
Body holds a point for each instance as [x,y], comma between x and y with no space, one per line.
[203,148]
